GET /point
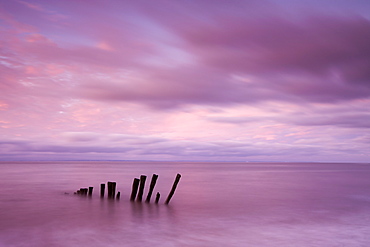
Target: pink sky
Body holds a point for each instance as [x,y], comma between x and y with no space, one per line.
[185,80]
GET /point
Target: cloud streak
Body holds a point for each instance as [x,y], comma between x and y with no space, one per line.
[227,80]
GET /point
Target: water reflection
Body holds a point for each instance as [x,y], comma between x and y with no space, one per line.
[233,205]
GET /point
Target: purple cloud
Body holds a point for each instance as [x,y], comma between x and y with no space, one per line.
[208,80]
[321,59]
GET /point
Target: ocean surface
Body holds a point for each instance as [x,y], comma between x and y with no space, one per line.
[215,204]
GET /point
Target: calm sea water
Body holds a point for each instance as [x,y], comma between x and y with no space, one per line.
[215,204]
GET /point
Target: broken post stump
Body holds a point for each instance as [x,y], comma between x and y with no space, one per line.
[102,189]
[151,188]
[178,176]
[157,198]
[90,190]
[141,188]
[83,191]
[135,186]
[111,189]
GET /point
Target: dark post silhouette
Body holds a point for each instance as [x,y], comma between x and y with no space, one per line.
[157,196]
[178,176]
[114,184]
[83,191]
[90,190]
[109,187]
[102,189]
[141,188]
[135,186]
[118,195]
[152,184]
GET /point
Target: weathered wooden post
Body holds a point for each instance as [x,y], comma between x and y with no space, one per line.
[102,189]
[114,184]
[152,184]
[90,190]
[109,187]
[135,186]
[157,198]
[83,191]
[118,195]
[141,188]
[178,176]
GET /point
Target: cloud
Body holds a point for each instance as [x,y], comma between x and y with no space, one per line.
[127,147]
[320,59]
[168,61]
[317,46]
[270,44]
[183,80]
[234,120]
[337,116]
[348,120]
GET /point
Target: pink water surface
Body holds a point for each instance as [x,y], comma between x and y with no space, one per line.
[215,204]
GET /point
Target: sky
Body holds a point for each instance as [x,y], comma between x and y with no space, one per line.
[189,80]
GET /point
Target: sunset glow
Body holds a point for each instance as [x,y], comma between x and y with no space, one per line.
[185,80]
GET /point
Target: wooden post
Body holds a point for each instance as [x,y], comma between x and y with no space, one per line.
[109,188]
[102,189]
[118,195]
[152,184]
[114,184]
[90,190]
[84,191]
[178,176]
[135,186]
[141,188]
[157,198]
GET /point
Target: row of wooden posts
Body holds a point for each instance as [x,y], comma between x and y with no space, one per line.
[136,192]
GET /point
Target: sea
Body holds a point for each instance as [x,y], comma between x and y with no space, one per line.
[215,204]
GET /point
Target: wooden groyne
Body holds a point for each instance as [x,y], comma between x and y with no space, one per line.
[135,186]
[102,190]
[141,188]
[151,188]
[174,186]
[137,190]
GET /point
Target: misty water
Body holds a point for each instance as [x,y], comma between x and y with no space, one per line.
[215,204]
